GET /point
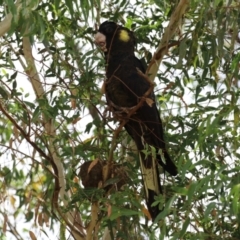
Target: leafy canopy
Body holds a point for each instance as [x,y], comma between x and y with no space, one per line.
[52,120]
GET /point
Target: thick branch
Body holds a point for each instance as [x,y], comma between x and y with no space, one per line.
[60,184]
[170,30]
[6,23]
[94,218]
[31,68]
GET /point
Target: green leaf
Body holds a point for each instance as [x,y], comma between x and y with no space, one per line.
[70,6]
[36,114]
[3,93]
[184,228]
[118,212]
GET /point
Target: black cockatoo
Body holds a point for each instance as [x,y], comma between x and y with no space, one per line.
[124,87]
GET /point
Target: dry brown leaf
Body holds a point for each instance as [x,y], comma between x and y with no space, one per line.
[28,195]
[105,172]
[4,228]
[32,235]
[146,213]
[12,201]
[15,132]
[73,103]
[103,88]
[214,212]
[149,102]
[218,151]
[119,224]
[93,163]
[74,92]
[109,210]
[46,219]
[40,219]
[11,142]
[36,213]
[74,190]
[76,179]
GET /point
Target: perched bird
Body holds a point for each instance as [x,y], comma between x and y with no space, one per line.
[126,84]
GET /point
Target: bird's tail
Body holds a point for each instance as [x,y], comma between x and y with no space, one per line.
[166,162]
[151,182]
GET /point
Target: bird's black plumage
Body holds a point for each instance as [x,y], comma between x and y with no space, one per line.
[124,88]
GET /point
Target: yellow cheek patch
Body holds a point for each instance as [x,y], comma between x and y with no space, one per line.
[124,36]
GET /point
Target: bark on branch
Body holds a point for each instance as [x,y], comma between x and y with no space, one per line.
[60,184]
[6,23]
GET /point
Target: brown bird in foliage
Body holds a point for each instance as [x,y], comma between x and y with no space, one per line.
[125,87]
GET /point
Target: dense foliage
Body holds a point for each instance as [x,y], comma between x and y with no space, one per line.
[53,119]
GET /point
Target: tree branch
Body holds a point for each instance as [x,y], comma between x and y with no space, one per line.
[48,124]
[6,23]
[94,218]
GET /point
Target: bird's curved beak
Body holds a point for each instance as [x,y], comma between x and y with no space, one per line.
[100,41]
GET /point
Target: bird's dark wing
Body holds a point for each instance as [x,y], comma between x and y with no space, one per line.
[125,87]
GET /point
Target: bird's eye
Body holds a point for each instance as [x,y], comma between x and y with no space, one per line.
[109,30]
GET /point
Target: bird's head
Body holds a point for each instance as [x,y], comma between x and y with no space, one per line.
[113,37]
